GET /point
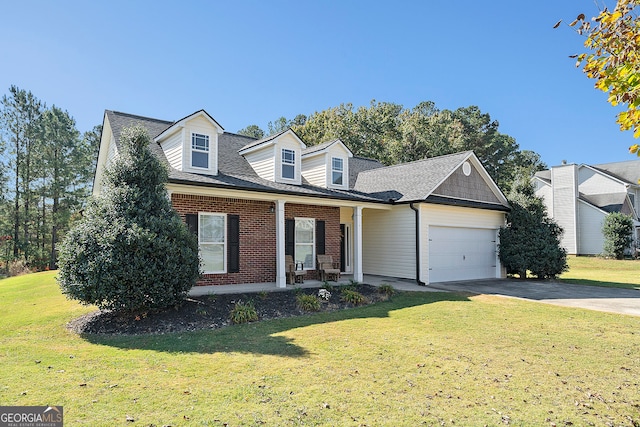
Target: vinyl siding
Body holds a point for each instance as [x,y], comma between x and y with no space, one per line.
[565,204]
[172,148]
[336,150]
[291,143]
[545,192]
[388,241]
[314,170]
[591,240]
[200,125]
[262,161]
[112,153]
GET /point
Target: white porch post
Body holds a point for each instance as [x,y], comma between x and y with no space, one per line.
[358,275]
[281,278]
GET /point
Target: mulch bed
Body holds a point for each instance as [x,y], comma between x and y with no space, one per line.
[212,312]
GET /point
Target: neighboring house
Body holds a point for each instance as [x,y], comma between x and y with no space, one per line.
[252,201]
[578,197]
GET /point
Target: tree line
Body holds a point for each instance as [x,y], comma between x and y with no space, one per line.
[46,171]
[392,134]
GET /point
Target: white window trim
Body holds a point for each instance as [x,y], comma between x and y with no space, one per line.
[313,242]
[335,170]
[224,244]
[208,151]
[283,163]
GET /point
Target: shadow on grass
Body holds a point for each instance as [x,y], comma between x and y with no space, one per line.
[260,337]
[600,283]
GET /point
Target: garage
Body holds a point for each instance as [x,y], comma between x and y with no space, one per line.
[458,253]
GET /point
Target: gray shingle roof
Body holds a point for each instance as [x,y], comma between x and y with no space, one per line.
[409,181]
[611,202]
[318,147]
[369,180]
[628,171]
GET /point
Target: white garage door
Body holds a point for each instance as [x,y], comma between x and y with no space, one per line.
[461,254]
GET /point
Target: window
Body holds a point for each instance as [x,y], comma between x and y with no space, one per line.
[632,199]
[337,170]
[288,164]
[305,244]
[211,239]
[199,150]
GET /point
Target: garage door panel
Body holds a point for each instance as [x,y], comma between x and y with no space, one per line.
[458,253]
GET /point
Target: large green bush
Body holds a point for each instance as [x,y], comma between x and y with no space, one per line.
[130,251]
[531,240]
[617,229]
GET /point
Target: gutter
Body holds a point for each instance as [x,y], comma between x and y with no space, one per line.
[417,211]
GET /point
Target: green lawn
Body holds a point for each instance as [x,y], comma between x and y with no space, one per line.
[596,271]
[422,358]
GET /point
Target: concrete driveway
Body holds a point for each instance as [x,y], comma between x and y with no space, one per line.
[613,300]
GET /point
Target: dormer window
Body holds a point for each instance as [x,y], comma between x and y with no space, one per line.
[288,164]
[199,150]
[337,170]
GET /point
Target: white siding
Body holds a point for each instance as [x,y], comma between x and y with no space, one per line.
[112,153]
[291,143]
[263,162]
[199,124]
[314,170]
[545,192]
[172,148]
[460,217]
[388,241]
[591,239]
[337,150]
[592,182]
[565,199]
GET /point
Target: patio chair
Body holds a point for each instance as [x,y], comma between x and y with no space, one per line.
[328,268]
[294,271]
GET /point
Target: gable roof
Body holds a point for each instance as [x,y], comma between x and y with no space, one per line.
[369,180]
[175,125]
[627,171]
[316,149]
[611,202]
[265,141]
[416,181]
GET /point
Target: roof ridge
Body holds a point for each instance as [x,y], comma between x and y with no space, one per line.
[240,135]
[136,116]
[419,161]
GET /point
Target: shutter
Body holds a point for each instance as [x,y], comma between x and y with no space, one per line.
[290,237]
[233,243]
[320,246]
[192,223]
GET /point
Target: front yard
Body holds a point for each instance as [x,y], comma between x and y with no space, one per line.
[421,358]
[586,270]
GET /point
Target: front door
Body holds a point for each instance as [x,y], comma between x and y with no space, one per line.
[343,242]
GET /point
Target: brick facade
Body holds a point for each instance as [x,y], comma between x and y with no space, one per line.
[258,233]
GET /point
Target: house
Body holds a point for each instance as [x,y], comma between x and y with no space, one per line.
[253,201]
[578,197]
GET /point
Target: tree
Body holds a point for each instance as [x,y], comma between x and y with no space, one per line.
[531,240]
[253,131]
[617,228]
[130,251]
[614,59]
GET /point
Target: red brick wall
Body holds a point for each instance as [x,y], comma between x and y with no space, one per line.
[258,234]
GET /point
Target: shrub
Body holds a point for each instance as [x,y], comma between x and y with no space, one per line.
[386,289]
[18,267]
[243,312]
[352,297]
[308,302]
[531,240]
[130,250]
[617,229]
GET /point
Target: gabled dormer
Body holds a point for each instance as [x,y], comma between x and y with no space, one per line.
[327,165]
[191,144]
[277,157]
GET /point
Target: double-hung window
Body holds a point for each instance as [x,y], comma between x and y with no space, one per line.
[199,150]
[337,170]
[212,241]
[288,164]
[305,242]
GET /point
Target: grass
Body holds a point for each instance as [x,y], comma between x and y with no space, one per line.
[597,271]
[423,358]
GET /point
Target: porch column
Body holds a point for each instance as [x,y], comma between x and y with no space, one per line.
[358,275]
[281,277]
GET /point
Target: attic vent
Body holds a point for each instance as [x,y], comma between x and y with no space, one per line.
[466,168]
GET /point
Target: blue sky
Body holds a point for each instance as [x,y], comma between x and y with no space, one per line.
[250,62]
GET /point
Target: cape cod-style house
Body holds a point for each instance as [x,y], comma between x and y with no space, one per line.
[251,202]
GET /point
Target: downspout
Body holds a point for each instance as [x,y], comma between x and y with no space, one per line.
[417,211]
